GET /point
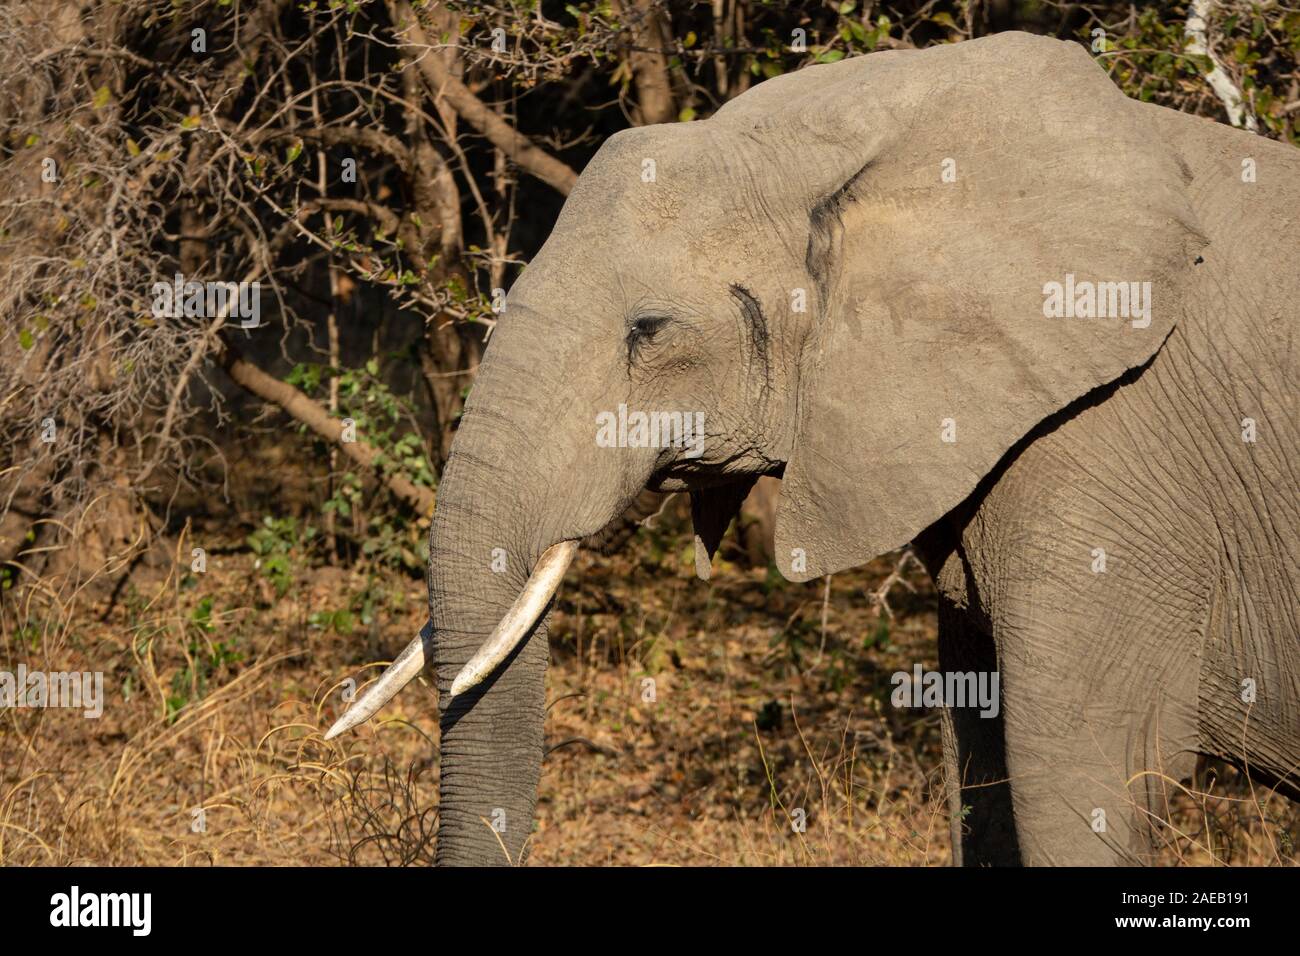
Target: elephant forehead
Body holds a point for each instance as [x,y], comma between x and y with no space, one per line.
[658,204]
[660,175]
[660,229]
[660,208]
[729,238]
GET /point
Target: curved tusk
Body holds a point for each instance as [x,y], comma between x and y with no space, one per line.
[523,614]
[396,676]
[519,620]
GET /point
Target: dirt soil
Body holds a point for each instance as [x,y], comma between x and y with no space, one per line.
[744,721]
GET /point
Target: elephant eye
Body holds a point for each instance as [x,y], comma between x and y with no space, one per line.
[642,331]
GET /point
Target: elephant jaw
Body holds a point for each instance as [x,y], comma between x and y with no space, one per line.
[513,628]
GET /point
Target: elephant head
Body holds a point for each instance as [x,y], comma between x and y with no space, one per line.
[841,277]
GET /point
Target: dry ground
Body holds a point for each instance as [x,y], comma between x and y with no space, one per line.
[769,699]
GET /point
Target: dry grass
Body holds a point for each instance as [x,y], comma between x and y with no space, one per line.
[761,714]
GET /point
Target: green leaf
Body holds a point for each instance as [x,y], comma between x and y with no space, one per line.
[25,339]
[293,153]
[686,115]
[830,56]
[202,615]
[101,98]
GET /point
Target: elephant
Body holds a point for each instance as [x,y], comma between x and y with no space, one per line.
[970,298]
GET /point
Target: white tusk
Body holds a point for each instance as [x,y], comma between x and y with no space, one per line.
[523,614]
[519,620]
[396,676]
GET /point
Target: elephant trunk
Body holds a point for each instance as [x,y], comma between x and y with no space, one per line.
[485,540]
[498,546]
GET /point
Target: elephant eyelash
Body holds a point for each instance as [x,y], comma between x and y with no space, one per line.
[642,331]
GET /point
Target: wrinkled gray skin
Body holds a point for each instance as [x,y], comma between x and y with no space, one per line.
[924,303]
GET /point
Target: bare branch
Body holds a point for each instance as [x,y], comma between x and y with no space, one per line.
[526,154]
[1225,89]
[649,64]
[318,419]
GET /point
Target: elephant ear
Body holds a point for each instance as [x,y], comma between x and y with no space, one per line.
[931,350]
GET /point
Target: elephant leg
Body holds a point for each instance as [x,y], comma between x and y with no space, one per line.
[1070,802]
[1098,734]
[974,753]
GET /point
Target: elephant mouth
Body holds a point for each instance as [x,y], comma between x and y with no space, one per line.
[692,476]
